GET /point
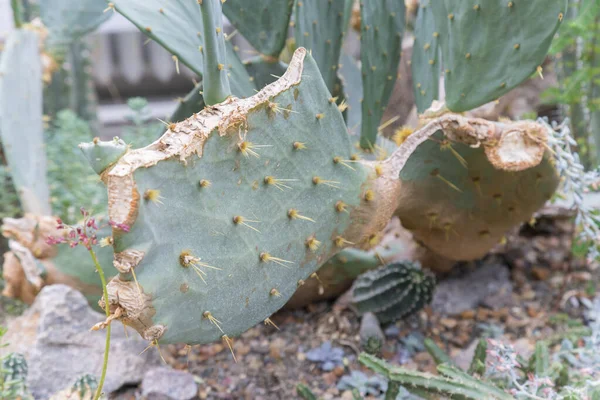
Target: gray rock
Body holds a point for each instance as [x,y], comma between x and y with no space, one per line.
[164,383]
[54,335]
[488,285]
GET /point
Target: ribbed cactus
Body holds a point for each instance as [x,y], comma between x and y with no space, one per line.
[84,388]
[13,377]
[393,292]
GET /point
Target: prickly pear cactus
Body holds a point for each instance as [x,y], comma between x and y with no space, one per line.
[460,195]
[394,291]
[382,25]
[256,194]
[178,27]
[263,23]
[264,71]
[319,26]
[69,20]
[21,100]
[484,55]
[425,63]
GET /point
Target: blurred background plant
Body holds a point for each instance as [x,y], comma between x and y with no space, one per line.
[576,52]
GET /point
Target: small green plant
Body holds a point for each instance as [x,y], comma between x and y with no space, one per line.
[497,371]
[13,375]
[393,291]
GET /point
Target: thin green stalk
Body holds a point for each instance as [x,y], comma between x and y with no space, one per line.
[214,80]
[392,391]
[107,311]
[16,7]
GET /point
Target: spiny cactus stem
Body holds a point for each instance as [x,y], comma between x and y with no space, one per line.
[107,311]
[215,80]
[16,7]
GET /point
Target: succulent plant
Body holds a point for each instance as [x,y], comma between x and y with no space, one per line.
[393,291]
[257,193]
[13,377]
[372,338]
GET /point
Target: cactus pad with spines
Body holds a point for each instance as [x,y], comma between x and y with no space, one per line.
[68,21]
[490,47]
[394,291]
[461,194]
[382,25]
[264,23]
[425,63]
[319,26]
[177,26]
[21,125]
[102,154]
[256,194]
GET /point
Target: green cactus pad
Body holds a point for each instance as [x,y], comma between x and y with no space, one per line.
[21,125]
[264,23]
[490,47]
[425,63]
[394,291]
[352,83]
[319,26]
[103,154]
[462,191]
[177,26]
[221,241]
[264,71]
[382,25]
[68,20]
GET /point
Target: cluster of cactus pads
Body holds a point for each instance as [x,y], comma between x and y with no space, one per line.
[236,207]
[239,204]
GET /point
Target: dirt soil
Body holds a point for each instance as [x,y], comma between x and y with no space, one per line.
[546,286]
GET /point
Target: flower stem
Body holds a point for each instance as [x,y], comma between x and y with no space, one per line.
[107,310]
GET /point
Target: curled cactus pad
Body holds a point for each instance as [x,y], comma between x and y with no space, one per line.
[234,208]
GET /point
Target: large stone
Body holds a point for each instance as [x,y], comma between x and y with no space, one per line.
[54,336]
[489,286]
[164,383]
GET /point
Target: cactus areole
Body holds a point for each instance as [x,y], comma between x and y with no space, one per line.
[221,219]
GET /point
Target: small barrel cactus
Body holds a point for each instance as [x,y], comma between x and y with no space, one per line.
[393,291]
